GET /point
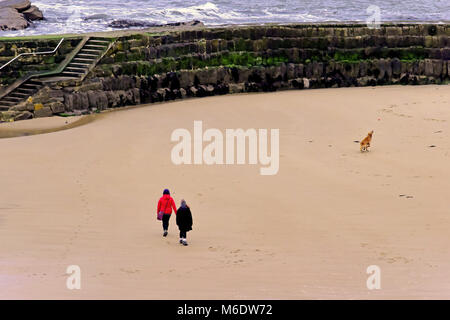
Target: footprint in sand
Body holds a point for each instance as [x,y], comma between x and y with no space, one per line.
[130,271]
[433,119]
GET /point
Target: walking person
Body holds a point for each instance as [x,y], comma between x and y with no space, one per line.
[164,211]
[184,221]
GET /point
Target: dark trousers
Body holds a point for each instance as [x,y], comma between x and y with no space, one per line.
[183,234]
[165,221]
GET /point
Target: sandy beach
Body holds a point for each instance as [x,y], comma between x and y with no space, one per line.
[87,196]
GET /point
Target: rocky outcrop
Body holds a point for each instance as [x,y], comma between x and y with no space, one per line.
[19,5]
[33,13]
[11,19]
[18,14]
[125,24]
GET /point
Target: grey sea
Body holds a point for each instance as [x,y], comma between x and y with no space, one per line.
[71,16]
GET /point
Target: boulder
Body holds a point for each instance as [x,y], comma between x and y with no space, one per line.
[57,107]
[17,14]
[43,112]
[113,99]
[8,116]
[33,13]
[11,19]
[128,23]
[24,115]
[396,67]
[19,5]
[125,24]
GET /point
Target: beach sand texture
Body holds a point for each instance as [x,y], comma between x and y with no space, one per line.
[87,196]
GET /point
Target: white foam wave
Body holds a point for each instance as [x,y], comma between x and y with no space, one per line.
[73,15]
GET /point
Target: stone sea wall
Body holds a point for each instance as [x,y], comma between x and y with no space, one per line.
[155,67]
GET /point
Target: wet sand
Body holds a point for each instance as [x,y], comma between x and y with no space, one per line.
[87,196]
[43,125]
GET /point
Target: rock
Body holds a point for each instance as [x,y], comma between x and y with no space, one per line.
[20,107]
[90,86]
[11,19]
[186,24]
[43,112]
[57,107]
[99,16]
[428,67]
[17,14]
[124,24]
[396,67]
[193,91]
[113,99]
[33,13]
[19,5]
[207,76]
[236,87]
[8,115]
[127,23]
[97,100]
[24,115]
[186,78]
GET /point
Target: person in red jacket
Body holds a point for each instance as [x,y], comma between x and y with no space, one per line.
[165,205]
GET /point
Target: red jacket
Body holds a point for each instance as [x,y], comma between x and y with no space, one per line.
[166,204]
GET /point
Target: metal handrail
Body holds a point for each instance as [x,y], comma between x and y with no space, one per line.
[32,54]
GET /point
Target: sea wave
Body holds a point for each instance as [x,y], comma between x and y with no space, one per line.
[77,16]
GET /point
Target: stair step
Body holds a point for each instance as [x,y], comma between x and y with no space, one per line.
[11,98]
[14,97]
[90,50]
[87,55]
[73,73]
[79,64]
[39,82]
[19,95]
[75,69]
[25,90]
[95,46]
[4,108]
[9,103]
[31,85]
[18,92]
[84,59]
[98,41]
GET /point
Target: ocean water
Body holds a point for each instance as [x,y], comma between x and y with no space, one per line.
[71,16]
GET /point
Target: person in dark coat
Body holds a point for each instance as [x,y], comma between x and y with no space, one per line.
[184,221]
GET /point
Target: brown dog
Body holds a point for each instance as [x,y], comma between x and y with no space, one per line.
[365,143]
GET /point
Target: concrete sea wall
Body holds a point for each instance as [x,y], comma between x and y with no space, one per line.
[152,67]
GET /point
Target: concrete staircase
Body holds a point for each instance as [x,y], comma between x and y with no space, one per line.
[86,58]
[76,68]
[21,93]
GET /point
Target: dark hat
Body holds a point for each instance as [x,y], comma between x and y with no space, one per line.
[166,191]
